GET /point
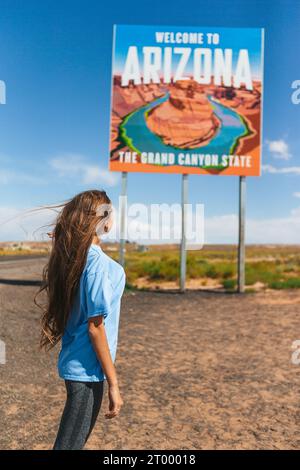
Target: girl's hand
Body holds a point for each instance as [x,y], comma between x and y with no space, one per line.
[115,402]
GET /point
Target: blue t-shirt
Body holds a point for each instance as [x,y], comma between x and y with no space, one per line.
[101,287]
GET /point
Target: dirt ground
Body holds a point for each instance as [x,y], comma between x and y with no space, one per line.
[202,370]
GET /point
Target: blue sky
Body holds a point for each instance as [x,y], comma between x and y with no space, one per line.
[55,59]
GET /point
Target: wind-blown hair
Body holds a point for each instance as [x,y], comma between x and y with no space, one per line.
[75,227]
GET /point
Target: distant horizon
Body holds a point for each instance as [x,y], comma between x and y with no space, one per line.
[106,242]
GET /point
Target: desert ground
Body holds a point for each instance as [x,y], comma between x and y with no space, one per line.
[200,370]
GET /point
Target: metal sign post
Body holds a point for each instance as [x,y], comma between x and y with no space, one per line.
[123,210]
[184,202]
[241,247]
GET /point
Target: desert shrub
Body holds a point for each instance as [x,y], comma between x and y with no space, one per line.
[229,284]
[196,267]
[211,272]
[292,283]
[161,270]
[228,273]
[289,268]
[261,271]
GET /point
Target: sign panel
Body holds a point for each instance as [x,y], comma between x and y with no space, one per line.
[187,100]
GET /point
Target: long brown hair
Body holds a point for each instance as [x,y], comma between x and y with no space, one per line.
[75,227]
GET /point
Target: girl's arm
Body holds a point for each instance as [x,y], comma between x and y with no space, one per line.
[99,341]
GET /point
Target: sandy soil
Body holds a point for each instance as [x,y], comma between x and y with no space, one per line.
[202,370]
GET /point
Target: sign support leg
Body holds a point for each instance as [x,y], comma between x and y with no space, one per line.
[184,202]
[241,247]
[123,209]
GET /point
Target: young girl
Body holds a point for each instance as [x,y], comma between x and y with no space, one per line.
[84,287]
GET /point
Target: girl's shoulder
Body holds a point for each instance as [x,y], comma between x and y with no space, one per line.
[98,261]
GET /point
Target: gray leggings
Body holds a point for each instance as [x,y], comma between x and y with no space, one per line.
[80,413]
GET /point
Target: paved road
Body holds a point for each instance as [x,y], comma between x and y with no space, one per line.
[197,371]
[13,258]
[21,270]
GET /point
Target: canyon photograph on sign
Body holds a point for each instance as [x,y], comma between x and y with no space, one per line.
[186,100]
